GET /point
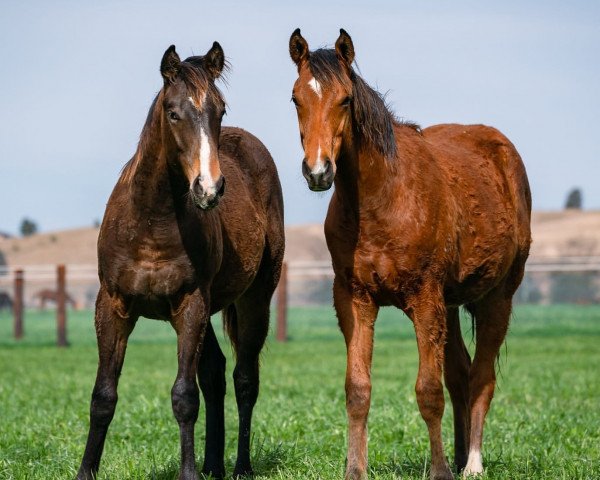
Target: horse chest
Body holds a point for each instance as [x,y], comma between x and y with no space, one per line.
[157,279]
[148,270]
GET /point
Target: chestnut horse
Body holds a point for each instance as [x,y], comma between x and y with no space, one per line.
[166,251]
[422,220]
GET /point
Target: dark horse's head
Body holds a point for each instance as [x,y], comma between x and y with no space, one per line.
[334,103]
[192,110]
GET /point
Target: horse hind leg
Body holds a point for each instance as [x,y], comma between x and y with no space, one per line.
[211,377]
[248,325]
[492,315]
[112,332]
[457,363]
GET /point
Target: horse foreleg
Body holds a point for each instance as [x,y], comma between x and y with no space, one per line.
[211,376]
[356,317]
[492,315]
[189,322]
[429,318]
[112,331]
[456,376]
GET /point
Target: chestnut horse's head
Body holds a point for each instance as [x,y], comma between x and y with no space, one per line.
[323,96]
[334,104]
[192,110]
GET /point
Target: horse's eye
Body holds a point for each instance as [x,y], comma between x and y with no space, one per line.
[295,100]
[346,101]
[172,116]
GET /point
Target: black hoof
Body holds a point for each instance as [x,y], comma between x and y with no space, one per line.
[214,473]
[243,472]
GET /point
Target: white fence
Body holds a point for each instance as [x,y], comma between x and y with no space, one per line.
[309,282]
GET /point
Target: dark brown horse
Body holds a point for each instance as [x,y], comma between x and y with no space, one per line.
[423,220]
[167,251]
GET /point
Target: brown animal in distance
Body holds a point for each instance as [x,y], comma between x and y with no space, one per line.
[426,221]
[175,246]
[47,295]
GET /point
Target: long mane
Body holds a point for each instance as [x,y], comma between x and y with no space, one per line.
[372,118]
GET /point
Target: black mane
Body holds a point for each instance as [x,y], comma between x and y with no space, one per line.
[373,119]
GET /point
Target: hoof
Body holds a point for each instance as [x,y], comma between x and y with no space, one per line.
[441,473]
[214,473]
[189,476]
[81,475]
[470,473]
[355,473]
[243,472]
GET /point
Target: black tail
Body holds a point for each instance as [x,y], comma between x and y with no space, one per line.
[230,324]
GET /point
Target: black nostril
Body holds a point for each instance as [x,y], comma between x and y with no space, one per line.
[328,166]
[305,169]
[221,186]
[196,187]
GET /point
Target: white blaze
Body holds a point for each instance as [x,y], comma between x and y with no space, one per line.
[316,86]
[474,465]
[319,164]
[206,180]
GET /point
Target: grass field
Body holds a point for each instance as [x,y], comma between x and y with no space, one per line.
[544,422]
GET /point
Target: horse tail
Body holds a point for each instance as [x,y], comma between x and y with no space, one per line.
[230,323]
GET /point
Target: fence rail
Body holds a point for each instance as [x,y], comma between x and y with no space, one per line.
[297,276]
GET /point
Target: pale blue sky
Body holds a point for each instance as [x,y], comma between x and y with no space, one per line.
[78,78]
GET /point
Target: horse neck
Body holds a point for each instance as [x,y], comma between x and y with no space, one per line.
[364,176]
[152,184]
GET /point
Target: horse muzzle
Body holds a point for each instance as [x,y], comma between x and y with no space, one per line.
[319,178]
[207,198]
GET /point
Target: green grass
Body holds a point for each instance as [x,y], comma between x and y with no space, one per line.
[544,421]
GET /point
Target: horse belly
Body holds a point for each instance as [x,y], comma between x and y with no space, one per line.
[479,272]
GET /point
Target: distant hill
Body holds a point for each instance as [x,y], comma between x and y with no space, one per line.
[562,233]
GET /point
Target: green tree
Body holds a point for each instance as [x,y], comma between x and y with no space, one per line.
[28,227]
[574,200]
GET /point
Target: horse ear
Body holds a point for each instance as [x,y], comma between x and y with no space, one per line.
[298,48]
[345,48]
[170,65]
[214,60]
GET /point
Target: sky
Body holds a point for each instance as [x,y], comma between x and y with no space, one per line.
[77,79]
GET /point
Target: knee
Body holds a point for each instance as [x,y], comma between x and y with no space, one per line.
[185,400]
[104,402]
[430,398]
[358,398]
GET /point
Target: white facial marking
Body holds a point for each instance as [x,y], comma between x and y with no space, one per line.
[199,104]
[316,86]
[319,164]
[474,465]
[206,180]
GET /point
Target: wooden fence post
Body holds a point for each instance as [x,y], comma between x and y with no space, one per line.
[18,304]
[282,304]
[61,309]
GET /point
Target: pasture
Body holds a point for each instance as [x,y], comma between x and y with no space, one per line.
[544,421]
